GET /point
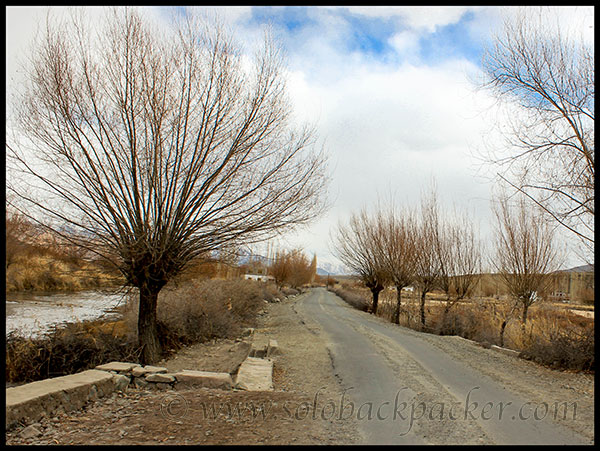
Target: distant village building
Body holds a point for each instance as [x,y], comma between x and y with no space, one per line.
[259,277]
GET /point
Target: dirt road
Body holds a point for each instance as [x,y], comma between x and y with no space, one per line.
[413,388]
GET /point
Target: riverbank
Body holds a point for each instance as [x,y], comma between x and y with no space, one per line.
[32,314]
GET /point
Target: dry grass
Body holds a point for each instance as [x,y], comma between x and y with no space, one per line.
[553,336]
[41,272]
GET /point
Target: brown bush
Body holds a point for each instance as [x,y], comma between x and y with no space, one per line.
[355,300]
[561,340]
[200,310]
[65,349]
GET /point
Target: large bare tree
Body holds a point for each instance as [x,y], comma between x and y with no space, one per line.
[547,76]
[526,252]
[154,146]
[355,244]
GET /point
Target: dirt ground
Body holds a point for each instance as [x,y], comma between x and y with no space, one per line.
[299,410]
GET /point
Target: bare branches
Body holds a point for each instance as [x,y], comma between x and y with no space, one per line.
[525,251]
[158,146]
[355,245]
[550,80]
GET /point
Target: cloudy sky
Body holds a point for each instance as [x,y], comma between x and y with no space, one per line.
[392,92]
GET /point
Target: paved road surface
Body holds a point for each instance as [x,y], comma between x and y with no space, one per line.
[404,390]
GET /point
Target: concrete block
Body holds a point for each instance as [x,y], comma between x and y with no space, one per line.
[255,374]
[119,367]
[273,348]
[506,351]
[29,402]
[189,378]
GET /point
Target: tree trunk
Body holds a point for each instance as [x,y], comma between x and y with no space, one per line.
[147,326]
[525,308]
[443,326]
[375,292]
[423,293]
[396,318]
[502,328]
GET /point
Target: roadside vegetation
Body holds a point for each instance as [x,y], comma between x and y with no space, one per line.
[190,311]
[423,269]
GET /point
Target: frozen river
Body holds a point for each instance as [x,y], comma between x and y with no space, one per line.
[32,314]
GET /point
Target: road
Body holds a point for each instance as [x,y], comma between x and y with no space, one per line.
[404,389]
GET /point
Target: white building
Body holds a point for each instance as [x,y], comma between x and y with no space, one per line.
[258,277]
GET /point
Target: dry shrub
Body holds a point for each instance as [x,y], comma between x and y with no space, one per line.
[66,349]
[561,340]
[356,300]
[552,336]
[200,310]
[40,272]
[195,311]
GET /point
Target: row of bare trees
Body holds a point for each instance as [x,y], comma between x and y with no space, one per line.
[429,250]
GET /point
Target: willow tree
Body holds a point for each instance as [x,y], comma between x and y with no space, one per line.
[526,251]
[395,238]
[153,146]
[356,245]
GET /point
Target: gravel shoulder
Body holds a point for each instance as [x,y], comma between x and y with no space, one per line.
[291,414]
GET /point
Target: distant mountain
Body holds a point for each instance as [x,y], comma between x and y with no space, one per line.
[583,268]
[325,269]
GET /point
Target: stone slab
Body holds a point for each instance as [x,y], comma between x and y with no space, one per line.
[259,347]
[506,351]
[206,379]
[160,377]
[139,371]
[255,374]
[120,367]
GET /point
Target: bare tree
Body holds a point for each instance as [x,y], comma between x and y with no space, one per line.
[355,245]
[395,240]
[459,254]
[549,77]
[153,147]
[280,268]
[300,269]
[526,252]
[427,267]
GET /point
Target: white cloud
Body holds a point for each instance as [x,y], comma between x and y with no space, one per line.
[389,130]
[406,43]
[427,18]
[388,127]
